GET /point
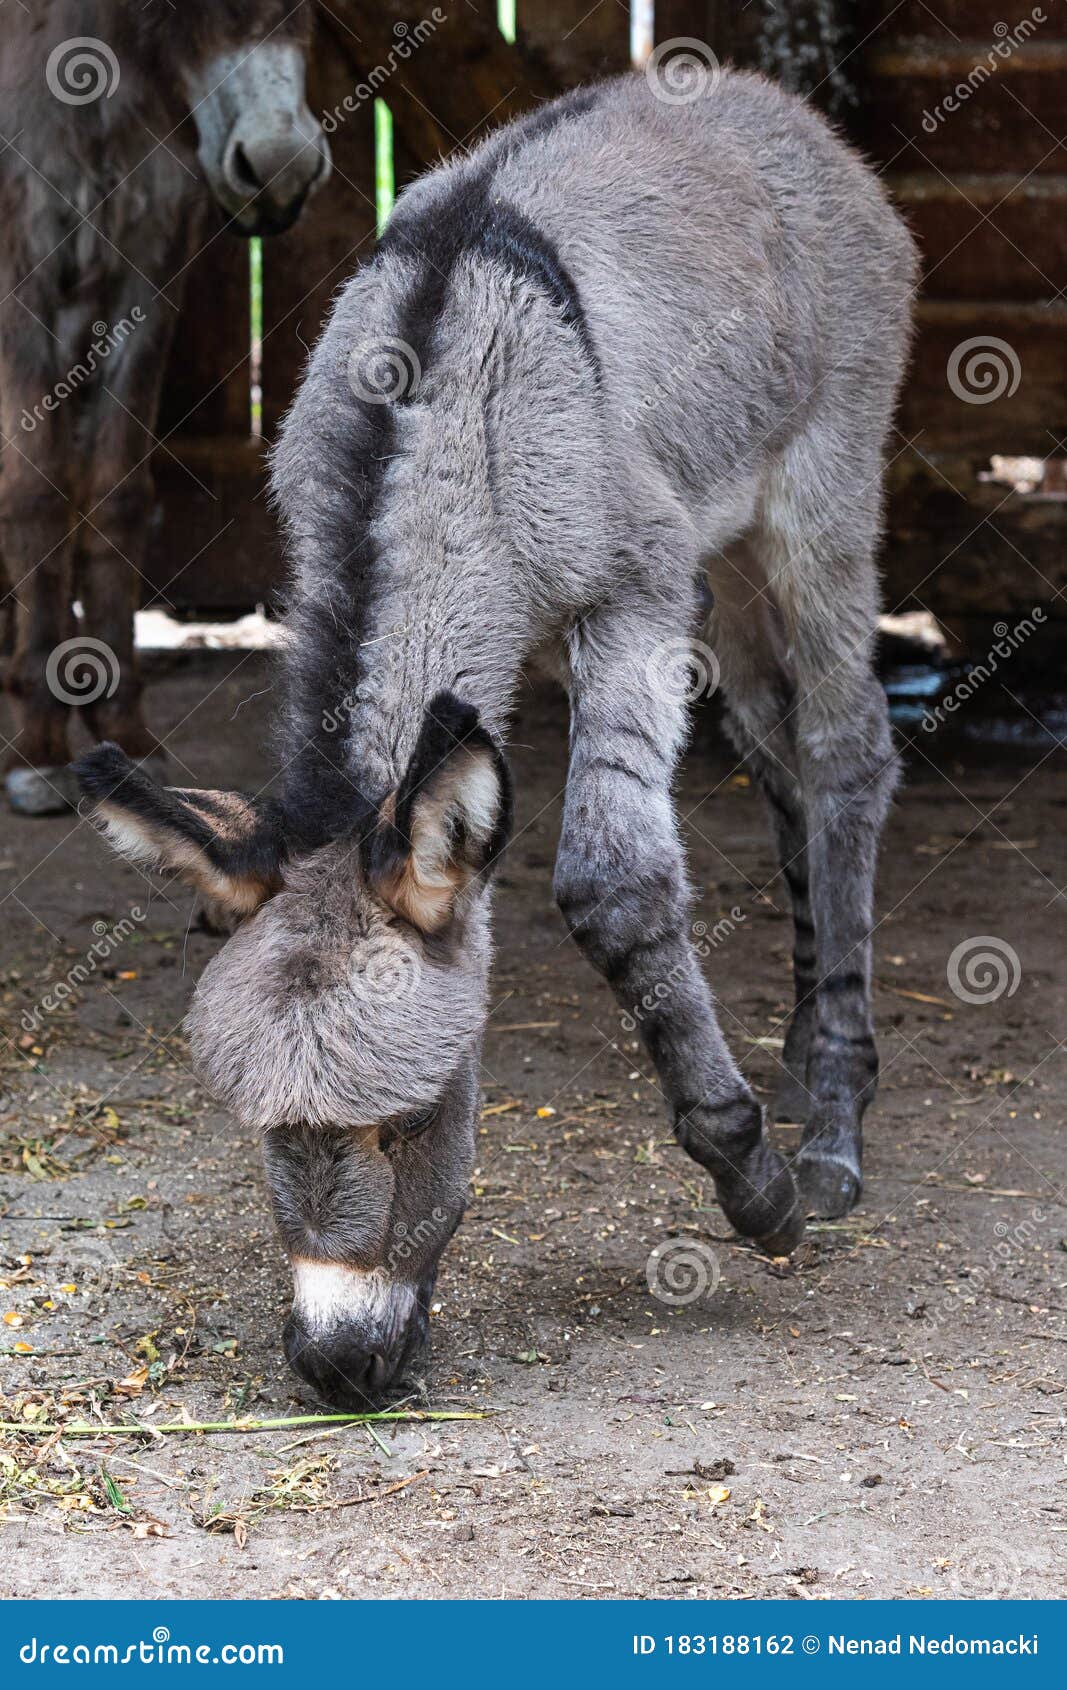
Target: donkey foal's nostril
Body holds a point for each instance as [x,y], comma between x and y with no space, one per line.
[375,1374]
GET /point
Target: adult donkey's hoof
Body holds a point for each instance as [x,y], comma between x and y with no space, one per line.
[830,1184]
[48,791]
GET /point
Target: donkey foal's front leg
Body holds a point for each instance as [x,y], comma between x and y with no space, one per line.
[620,883]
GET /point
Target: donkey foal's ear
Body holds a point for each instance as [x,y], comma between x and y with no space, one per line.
[447,821]
[227,847]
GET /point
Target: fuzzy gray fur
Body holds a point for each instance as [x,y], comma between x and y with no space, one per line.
[655,339]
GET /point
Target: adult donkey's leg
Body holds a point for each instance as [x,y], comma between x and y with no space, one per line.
[620,883]
[112,541]
[825,582]
[111,550]
[35,541]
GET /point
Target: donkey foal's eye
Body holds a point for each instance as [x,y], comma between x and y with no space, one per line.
[406,1126]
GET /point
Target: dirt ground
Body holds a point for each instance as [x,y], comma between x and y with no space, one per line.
[881,1417]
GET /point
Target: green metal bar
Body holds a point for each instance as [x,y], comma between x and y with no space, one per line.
[505,17]
[255,335]
[384,169]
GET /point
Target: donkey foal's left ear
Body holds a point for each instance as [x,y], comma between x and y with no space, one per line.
[447,821]
[222,843]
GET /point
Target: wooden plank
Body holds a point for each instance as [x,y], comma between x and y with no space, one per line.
[933,111]
[446,71]
[206,389]
[213,545]
[697,19]
[960,545]
[1030,378]
[304,268]
[809,46]
[948,21]
[579,41]
[988,236]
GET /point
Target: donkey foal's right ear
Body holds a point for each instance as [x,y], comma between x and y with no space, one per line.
[229,848]
[447,821]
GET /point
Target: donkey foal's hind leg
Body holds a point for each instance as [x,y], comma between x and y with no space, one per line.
[759,693]
[620,883]
[848,769]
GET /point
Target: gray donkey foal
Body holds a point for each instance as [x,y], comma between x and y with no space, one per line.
[627,340]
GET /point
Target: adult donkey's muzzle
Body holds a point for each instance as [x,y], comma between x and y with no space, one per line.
[351,1333]
[261,150]
[269,170]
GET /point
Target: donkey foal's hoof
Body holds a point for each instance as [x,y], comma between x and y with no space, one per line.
[830,1185]
[48,791]
[784,1240]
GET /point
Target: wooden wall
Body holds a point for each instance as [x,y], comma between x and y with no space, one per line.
[985,190]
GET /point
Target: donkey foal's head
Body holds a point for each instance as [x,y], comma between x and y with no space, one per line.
[343,1019]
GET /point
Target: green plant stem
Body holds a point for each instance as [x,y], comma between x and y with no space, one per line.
[82,1429]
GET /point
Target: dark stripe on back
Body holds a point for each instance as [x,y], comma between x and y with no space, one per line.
[321,795]
[469,218]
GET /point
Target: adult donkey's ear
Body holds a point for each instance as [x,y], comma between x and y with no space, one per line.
[447,821]
[225,845]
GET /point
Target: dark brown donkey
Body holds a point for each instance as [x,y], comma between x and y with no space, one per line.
[113,117]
